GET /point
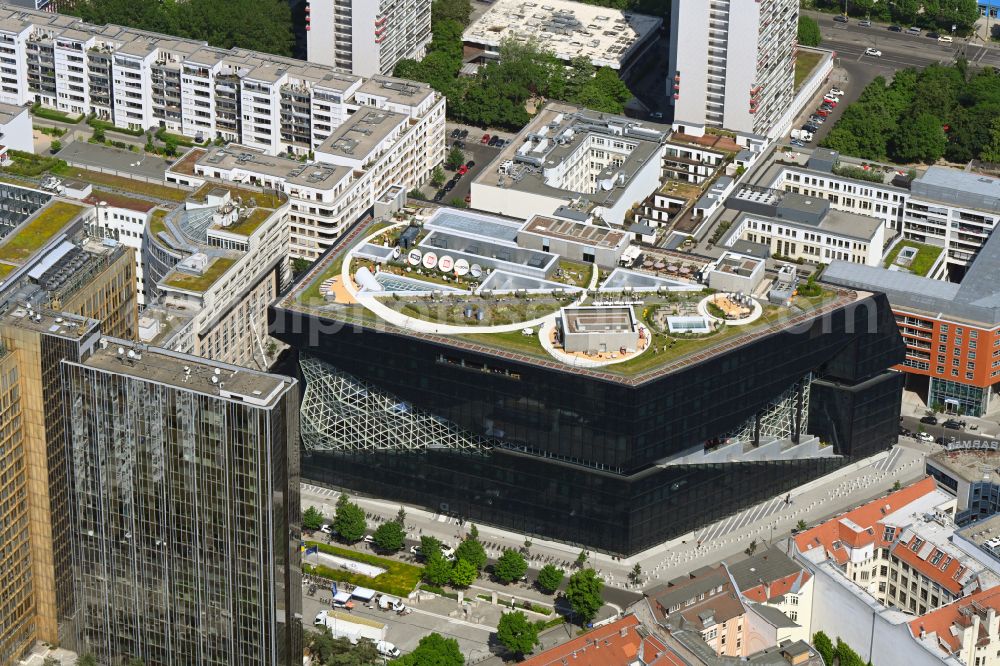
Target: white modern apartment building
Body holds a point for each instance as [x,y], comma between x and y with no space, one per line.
[391,143]
[144,80]
[366,37]
[732,64]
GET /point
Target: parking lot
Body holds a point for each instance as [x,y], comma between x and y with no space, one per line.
[475,151]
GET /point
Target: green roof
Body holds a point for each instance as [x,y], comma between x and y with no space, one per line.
[23,241]
[249,224]
[921,264]
[157,222]
[199,283]
[261,199]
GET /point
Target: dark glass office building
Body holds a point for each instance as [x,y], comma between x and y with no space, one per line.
[610,462]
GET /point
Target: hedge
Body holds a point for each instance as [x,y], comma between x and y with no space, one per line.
[54,114]
[111,127]
[399,578]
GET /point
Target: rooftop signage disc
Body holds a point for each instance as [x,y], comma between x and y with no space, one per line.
[396,251]
[461,267]
[446,263]
[413,258]
[430,260]
[476,271]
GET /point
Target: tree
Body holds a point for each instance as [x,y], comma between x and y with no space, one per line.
[472,552]
[312,519]
[438,176]
[55,146]
[510,566]
[752,548]
[474,532]
[922,140]
[86,660]
[432,650]
[390,536]
[170,146]
[401,517]
[846,656]
[896,485]
[458,202]
[824,646]
[636,574]
[801,525]
[463,573]
[98,135]
[582,558]
[990,152]
[583,592]
[415,193]
[451,10]
[349,521]
[809,34]
[550,577]
[437,571]
[455,159]
[300,265]
[517,634]
[429,546]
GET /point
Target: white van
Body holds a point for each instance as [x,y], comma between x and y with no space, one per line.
[389,602]
[387,649]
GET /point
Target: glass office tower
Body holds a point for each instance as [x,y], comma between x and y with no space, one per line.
[598,461]
[184,509]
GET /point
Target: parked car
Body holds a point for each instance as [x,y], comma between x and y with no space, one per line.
[840,18]
[462,170]
[387,649]
[827,104]
[913,30]
[438,197]
[823,112]
[449,186]
[458,144]
[875,53]
[945,39]
[468,198]
[952,424]
[933,35]
[456,133]
[470,163]
[811,127]
[905,432]
[833,99]
[496,142]
[326,528]
[465,134]
[929,420]
[485,140]
[925,437]
[865,23]
[797,143]
[817,119]
[895,28]
[836,91]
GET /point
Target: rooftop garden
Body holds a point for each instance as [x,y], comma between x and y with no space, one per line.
[34,233]
[249,224]
[199,283]
[157,222]
[400,578]
[120,200]
[919,264]
[805,63]
[185,165]
[5,269]
[127,184]
[260,199]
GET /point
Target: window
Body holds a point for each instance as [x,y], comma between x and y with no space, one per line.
[793,616]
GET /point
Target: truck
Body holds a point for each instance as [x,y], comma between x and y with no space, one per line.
[343,625]
[389,602]
[802,135]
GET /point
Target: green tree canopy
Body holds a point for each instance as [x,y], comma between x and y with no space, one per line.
[312,519]
[809,34]
[472,552]
[510,566]
[824,646]
[389,536]
[583,592]
[550,577]
[517,634]
[923,140]
[464,573]
[349,521]
[437,571]
[438,176]
[429,545]
[432,650]
[991,149]
[86,660]
[455,159]
[846,656]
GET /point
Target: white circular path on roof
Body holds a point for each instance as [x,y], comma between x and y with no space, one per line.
[422,326]
[754,316]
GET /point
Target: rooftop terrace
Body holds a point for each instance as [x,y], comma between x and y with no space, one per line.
[199,283]
[23,241]
[509,324]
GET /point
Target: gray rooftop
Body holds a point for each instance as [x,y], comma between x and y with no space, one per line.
[774,616]
[768,566]
[357,136]
[398,91]
[9,111]
[312,174]
[956,187]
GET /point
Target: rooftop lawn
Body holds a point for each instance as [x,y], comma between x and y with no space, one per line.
[249,224]
[805,63]
[5,269]
[927,255]
[121,201]
[157,222]
[399,578]
[201,282]
[138,187]
[33,234]
[186,164]
[261,199]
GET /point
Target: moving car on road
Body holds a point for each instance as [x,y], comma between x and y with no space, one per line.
[925,437]
[895,28]
[875,53]
[929,420]
[840,18]
[865,23]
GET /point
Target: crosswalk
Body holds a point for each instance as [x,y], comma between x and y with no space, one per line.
[888,463]
[742,519]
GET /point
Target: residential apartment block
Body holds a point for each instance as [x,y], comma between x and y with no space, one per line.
[391,144]
[191,555]
[732,64]
[366,37]
[140,80]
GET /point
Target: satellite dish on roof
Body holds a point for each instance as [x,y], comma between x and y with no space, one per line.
[446,263]
[414,257]
[476,271]
[461,267]
[430,260]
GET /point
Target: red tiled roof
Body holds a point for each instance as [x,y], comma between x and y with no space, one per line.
[947,578]
[941,620]
[776,588]
[605,646]
[866,517]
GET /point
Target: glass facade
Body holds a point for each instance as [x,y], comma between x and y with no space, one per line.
[958,398]
[184,519]
[577,458]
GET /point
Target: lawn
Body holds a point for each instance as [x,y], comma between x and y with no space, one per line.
[201,282]
[32,235]
[186,164]
[157,222]
[249,224]
[514,341]
[5,269]
[927,255]
[261,199]
[122,201]
[399,579]
[138,187]
[805,63]
[54,114]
